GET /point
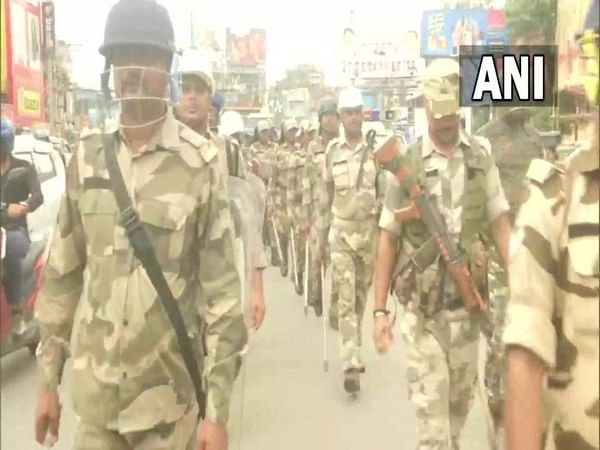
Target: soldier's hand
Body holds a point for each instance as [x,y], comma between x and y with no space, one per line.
[382,334]
[213,436]
[47,417]
[257,308]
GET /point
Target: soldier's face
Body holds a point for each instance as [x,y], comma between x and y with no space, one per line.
[306,138]
[141,80]
[140,72]
[195,101]
[263,136]
[352,120]
[330,122]
[444,130]
[290,135]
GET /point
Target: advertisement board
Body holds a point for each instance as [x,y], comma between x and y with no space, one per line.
[248,49]
[4,61]
[444,31]
[25,90]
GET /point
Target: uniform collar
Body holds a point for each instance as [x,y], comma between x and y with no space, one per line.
[166,137]
[429,146]
[344,142]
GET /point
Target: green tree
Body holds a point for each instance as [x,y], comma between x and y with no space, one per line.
[531,21]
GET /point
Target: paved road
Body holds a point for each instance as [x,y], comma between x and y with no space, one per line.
[283,400]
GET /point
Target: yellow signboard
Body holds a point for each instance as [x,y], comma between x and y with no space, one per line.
[29,103]
[3,52]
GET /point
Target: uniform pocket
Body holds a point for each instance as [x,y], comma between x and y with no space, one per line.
[164,223]
[98,213]
[340,172]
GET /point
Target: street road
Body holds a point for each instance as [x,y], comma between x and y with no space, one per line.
[283,399]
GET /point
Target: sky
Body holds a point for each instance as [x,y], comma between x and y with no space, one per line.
[310,32]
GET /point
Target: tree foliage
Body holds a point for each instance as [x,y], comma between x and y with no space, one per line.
[531,20]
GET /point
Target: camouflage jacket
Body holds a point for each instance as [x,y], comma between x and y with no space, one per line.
[554,305]
[313,185]
[347,201]
[128,373]
[261,156]
[295,175]
[277,190]
[468,193]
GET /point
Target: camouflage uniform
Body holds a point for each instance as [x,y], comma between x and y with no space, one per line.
[352,239]
[262,155]
[277,195]
[295,209]
[313,185]
[553,309]
[514,146]
[129,380]
[441,339]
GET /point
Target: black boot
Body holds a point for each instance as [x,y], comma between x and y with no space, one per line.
[352,381]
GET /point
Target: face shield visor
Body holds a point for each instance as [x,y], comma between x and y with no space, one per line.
[136,83]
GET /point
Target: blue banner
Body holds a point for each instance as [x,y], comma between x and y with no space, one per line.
[444,31]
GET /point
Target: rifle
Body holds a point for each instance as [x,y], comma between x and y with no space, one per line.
[390,157]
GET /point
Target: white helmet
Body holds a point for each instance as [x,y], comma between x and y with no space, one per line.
[231,123]
[192,62]
[350,98]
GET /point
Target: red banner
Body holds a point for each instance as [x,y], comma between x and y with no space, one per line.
[247,50]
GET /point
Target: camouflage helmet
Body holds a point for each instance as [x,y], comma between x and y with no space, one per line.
[440,83]
[327,105]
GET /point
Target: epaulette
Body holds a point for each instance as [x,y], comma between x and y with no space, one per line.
[541,170]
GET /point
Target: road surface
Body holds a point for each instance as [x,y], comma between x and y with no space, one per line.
[283,398]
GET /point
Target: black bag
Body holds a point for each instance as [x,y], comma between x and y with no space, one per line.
[144,252]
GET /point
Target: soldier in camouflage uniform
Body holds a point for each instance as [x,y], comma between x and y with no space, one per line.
[130,386]
[192,110]
[350,176]
[514,145]
[277,189]
[295,207]
[261,153]
[313,185]
[552,328]
[458,173]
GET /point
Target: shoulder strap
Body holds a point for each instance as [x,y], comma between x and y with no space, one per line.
[144,252]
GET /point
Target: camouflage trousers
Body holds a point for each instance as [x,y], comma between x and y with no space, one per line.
[165,436]
[300,251]
[441,374]
[283,230]
[495,364]
[353,246]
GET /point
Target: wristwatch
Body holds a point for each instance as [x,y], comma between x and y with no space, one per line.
[378,312]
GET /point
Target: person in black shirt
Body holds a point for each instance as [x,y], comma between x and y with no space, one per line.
[20,195]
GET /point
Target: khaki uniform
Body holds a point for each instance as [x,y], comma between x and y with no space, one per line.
[441,338]
[129,380]
[352,238]
[277,195]
[554,305]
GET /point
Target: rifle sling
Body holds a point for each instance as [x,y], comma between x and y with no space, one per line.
[144,252]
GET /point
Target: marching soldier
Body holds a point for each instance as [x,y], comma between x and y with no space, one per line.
[552,329]
[193,111]
[261,153]
[457,175]
[295,207]
[313,186]
[277,190]
[351,194]
[137,379]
